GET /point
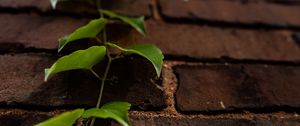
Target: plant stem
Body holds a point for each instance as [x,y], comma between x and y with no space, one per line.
[99,7]
[102,85]
[107,66]
[101,15]
[94,73]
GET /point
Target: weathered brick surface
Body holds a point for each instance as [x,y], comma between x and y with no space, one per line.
[32,30]
[231,29]
[43,5]
[270,1]
[17,117]
[127,7]
[226,87]
[297,38]
[196,41]
[216,121]
[21,78]
[232,11]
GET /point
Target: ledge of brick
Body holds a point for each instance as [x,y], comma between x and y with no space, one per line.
[18,117]
[228,87]
[127,7]
[234,120]
[232,11]
[22,83]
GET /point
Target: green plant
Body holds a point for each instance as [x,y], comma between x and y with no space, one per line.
[86,59]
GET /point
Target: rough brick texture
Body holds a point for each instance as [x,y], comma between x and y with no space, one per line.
[22,83]
[228,62]
[227,87]
[43,5]
[17,117]
[232,11]
[195,41]
[200,41]
[32,30]
[234,120]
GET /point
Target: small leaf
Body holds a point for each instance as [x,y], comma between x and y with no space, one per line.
[91,30]
[64,119]
[135,22]
[149,51]
[53,3]
[113,110]
[82,59]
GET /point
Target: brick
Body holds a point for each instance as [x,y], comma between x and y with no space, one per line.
[296,37]
[217,87]
[31,30]
[17,117]
[130,7]
[232,11]
[22,83]
[270,1]
[292,2]
[200,41]
[127,7]
[43,5]
[233,120]
[194,41]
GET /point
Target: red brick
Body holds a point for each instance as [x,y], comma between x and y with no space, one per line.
[296,36]
[200,41]
[269,1]
[232,11]
[17,117]
[231,120]
[228,87]
[195,41]
[43,5]
[127,7]
[130,7]
[21,78]
[32,30]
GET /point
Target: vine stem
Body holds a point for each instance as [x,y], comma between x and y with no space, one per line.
[107,66]
[102,86]
[102,83]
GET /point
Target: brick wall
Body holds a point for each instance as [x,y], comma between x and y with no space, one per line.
[228,63]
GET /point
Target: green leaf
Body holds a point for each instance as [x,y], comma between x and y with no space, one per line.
[148,51]
[113,110]
[135,22]
[91,30]
[64,119]
[82,59]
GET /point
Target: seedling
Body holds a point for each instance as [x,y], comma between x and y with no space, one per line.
[86,59]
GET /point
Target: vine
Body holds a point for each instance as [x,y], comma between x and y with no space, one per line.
[86,59]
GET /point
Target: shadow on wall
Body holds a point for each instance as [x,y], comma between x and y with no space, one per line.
[133,81]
